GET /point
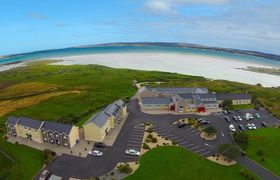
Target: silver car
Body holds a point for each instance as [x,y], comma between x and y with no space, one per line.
[132,152]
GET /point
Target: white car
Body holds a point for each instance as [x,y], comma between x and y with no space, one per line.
[249,126]
[232,128]
[248,116]
[95,153]
[239,118]
[44,175]
[132,152]
[254,126]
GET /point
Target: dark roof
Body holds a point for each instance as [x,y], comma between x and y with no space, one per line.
[58,127]
[102,117]
[186,96]
[224,96]
[156,100]
[27,122]
[179,90]
[12,120]
[209,95]
[99,119]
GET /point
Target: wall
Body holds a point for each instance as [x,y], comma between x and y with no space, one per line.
[73,136]
[36,134]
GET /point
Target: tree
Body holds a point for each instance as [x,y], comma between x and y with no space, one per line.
[210,130]
[226,103]
[241,138]
[229,151]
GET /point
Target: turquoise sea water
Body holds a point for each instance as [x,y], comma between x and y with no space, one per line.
[126,49]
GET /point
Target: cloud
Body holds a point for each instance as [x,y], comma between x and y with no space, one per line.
[36,15]
[170,6]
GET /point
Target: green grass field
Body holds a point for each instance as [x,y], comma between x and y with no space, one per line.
[177,163]
[265,140]
[98,86]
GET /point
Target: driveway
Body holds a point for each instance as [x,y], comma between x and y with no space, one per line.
[131,136]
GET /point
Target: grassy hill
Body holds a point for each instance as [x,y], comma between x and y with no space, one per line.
[263,147]
[177,163]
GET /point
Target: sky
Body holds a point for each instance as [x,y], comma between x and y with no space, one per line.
[38,25]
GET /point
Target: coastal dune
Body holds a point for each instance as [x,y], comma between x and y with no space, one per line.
[198,65]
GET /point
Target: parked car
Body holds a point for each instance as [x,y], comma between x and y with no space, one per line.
[254,126]
[241,127]
[228,111]
[249,126]
[54,177]
[239,118]
[234,118]
[201,119]
[237,110]
[258,115]
[232,128]
[264,124]
[248,116]
[227,119]
[44,175]
[95,153]
[99,145]
[182,125]
[225,112]
[132,152]
[204,122]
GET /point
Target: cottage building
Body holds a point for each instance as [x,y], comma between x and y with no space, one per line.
[237,99]
[99,125]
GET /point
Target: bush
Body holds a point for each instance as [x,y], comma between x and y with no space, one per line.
[229,151]
[174,143]
[154,140]
[241,138]
[210,130]
[150,136]
[124,168]
[260,152]
[150,130]
[146,146]
[148,140]
[48,156]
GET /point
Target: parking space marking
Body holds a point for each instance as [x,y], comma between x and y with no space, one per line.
[132,157]
[184,143]
[170,136]
[207,152]
[136,135]
[193,131]
[194,147]
[200,150]
[133,142]
[189,145]
[197,133]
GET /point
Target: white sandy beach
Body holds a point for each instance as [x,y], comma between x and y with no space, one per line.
[209,67]
[12,66]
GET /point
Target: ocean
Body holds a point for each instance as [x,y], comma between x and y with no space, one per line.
[137,49]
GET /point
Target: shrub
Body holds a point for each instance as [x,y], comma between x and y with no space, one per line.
[229,151]
[48,156]
[260,152]
[16,143]
[124,168]
[241,138]
[150,130]
[150,136]
[154,140]
[262,159]
[148,140]
[210,130]
[174,143]
[146,146]
[147,123]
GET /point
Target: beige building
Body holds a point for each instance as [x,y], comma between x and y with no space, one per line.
[237,99]
[43,131]
[97,127]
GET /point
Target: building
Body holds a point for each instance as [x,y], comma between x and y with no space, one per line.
[60,134]
[237,99]
[185,99]
[99,125]
[43,131]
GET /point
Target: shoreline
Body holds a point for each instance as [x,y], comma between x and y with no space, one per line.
[12,65]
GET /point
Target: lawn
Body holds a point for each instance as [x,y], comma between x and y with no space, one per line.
[241,106]
[264,144]
[28,161]
[177,163]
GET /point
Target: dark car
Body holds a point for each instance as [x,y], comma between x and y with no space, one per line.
[234,118]
[241,127]
[227,119]
[204,122]
[99,145]
[237,110]
[228,111]
[182,125]
[264,124]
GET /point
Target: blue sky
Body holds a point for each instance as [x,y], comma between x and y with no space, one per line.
[37,25]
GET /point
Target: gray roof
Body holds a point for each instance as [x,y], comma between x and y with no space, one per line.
[224,96]
[31,123]
[209,95]
[186,96]
[101,118]
[179,90]
[58,127]
[12,120]
[156,100]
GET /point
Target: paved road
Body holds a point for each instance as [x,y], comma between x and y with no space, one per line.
[131,136]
